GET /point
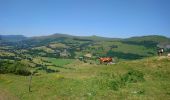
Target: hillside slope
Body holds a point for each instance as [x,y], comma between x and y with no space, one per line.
[78,46]
[146,79]
[12,38]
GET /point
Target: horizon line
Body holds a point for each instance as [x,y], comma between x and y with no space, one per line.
[86,35]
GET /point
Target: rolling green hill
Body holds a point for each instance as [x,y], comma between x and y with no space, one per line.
[12,38]
[74,47]
[61,69]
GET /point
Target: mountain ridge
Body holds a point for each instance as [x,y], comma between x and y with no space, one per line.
[95,37]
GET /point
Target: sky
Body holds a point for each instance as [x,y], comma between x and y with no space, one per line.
[108,18]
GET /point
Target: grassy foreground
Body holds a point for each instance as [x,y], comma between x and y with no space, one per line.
[146,79]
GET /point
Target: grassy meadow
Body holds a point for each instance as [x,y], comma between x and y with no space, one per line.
[145,79]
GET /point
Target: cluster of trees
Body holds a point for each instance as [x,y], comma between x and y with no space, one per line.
[121,55]
[16,67]
[147,44]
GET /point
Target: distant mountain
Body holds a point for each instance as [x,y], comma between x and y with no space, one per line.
[59,35]
[12,38]
[53,36]
[155,38]
[77,46]
[149,41]
[97,38]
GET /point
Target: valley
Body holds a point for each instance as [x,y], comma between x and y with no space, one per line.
[67,67]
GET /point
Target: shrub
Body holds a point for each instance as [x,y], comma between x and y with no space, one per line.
[51,70]
[114,85]
[14,67]
[22,71]
[108,80]
[133,76]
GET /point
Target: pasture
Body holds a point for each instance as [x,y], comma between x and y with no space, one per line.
[145,79]
[60,62]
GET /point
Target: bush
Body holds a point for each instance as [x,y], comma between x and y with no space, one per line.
[108,80]
[22,72]
[51,70]
[133,76]
[14,67]
[114,85]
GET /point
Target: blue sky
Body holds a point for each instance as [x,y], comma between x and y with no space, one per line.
[109,18]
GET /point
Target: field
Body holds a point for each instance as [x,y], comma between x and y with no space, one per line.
[65,67]
[145,79]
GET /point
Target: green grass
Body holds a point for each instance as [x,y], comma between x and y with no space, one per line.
[146,79]
[60,62]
